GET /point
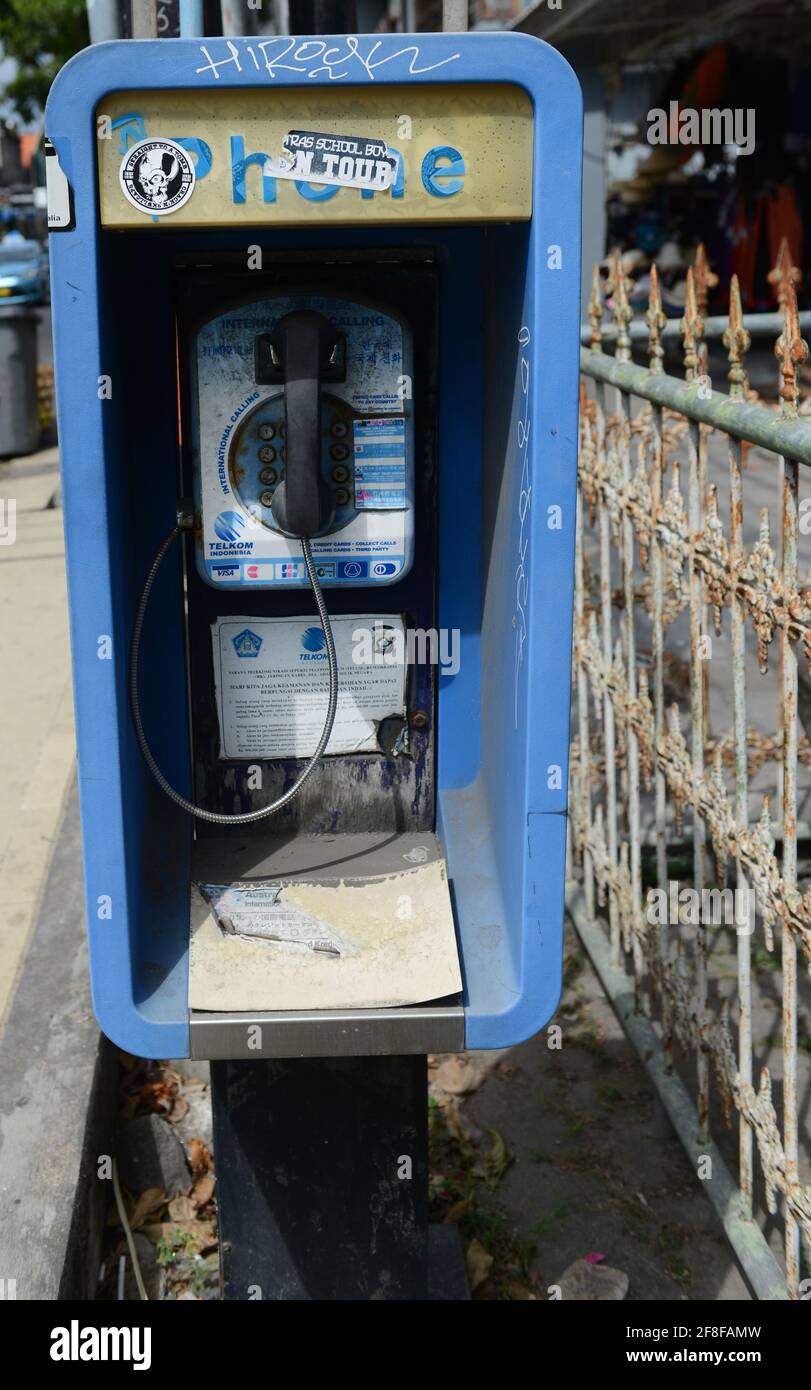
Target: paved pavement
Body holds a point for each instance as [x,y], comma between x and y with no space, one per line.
[597,1168]
[36,713]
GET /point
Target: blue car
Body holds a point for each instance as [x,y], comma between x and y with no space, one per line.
[23,272]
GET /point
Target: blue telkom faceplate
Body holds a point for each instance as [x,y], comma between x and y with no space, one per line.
[507,418]
[367,451]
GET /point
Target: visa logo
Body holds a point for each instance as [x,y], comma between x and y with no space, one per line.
[225,571]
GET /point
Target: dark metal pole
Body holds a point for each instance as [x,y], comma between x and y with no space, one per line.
[335,17]
[322,1178]
[323,17]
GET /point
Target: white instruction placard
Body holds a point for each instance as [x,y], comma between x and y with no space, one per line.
[272,683]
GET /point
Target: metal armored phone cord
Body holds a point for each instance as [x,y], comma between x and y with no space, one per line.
[215,817]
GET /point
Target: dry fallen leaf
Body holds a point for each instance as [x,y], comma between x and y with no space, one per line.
[203,1189]
[497,1160]
[459,1076]
[156,1096]
[456,1124]
[182,1209]
[199,1157]
[150,1203]
[478,1264]
[179,1110]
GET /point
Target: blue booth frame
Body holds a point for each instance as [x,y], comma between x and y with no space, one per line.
[505,571]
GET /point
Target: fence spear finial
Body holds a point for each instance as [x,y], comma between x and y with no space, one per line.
[792,350]
[614,270]
[784,275]
[656,320]
[737,342]
[692,328]
[596,310]
[620,308]
[705,278]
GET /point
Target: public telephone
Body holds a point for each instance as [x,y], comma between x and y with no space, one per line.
[345,387]
[348,395]
[303,427]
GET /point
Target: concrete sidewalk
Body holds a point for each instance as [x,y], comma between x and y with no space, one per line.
[36,714]
[58,1096]
[57,1076]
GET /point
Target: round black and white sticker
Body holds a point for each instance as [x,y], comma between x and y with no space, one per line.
[157,176]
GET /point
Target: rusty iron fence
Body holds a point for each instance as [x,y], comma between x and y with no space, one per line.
[674,553]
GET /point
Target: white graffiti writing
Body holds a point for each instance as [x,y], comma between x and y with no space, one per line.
[524,500]
[313,57]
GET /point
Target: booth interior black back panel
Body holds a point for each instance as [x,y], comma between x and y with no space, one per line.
[393,789]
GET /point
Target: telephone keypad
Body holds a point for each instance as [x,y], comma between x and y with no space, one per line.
[255,482]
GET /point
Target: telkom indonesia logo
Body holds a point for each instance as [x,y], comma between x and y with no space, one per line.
[313,639]
[229,526]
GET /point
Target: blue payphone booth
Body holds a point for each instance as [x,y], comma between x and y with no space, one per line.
[316,323]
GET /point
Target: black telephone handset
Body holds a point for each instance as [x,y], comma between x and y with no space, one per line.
[303,346]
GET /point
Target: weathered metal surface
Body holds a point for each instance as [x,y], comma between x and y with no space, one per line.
[663,550]
[741,419]
[760,1268]
[306,1212]
[334,1033]
[758,325]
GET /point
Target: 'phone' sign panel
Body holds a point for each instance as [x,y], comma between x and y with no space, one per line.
[393,154]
